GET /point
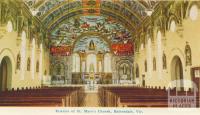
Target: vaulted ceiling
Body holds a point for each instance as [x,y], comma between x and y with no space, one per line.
[113,20]
[129,12]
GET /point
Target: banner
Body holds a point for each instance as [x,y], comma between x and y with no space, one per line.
[121,49]
[91,7]
[60,50]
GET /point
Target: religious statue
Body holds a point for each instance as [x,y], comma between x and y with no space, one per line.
[18,61]
[188,54]
[91,45]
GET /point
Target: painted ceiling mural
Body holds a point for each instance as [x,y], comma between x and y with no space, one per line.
[91,43]
[70,30]
[67,20]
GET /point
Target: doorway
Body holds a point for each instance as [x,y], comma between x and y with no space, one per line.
[177,72]
[5,74]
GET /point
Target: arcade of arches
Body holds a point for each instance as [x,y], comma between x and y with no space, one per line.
[95,43]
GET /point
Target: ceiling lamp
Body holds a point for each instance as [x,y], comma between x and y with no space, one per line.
[149,12]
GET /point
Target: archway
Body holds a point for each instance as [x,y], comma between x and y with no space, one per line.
[5,74]
[177,72]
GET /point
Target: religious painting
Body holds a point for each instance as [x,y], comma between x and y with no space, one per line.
[124,71]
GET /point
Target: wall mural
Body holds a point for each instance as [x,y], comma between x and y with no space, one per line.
[91,43]
[115,33]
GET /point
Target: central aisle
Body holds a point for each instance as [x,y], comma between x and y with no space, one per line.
[91,100]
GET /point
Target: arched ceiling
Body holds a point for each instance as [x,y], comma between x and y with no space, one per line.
[117,20]
[129,12]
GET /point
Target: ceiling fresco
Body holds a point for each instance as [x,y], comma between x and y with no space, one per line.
[133,11]
[67,20]
[91,43]
[70,31]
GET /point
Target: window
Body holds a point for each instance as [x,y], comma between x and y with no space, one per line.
[76,63]
[107,63]
[193,13]
[9,26]
[173,26]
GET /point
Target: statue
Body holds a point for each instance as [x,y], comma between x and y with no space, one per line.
[91,45]
[18,61]
[188,54]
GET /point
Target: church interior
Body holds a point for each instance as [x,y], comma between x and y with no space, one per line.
[99,53]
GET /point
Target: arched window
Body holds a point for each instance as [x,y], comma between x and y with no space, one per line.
[9,26]
[91,63]
[76,63]
[28,64]
[159,54]
[23,54]
[188,54]
[107,63]
[193,13]
[33,58]
[154,64]
[164,61]
[173,26]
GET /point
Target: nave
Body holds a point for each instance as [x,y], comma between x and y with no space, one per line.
[99,53]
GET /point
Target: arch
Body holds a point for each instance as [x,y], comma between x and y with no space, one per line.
[75,63]
[177,71]
[91,63]
[6,72]
[107,63]
[9,26]
[193,12]
[87,34]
